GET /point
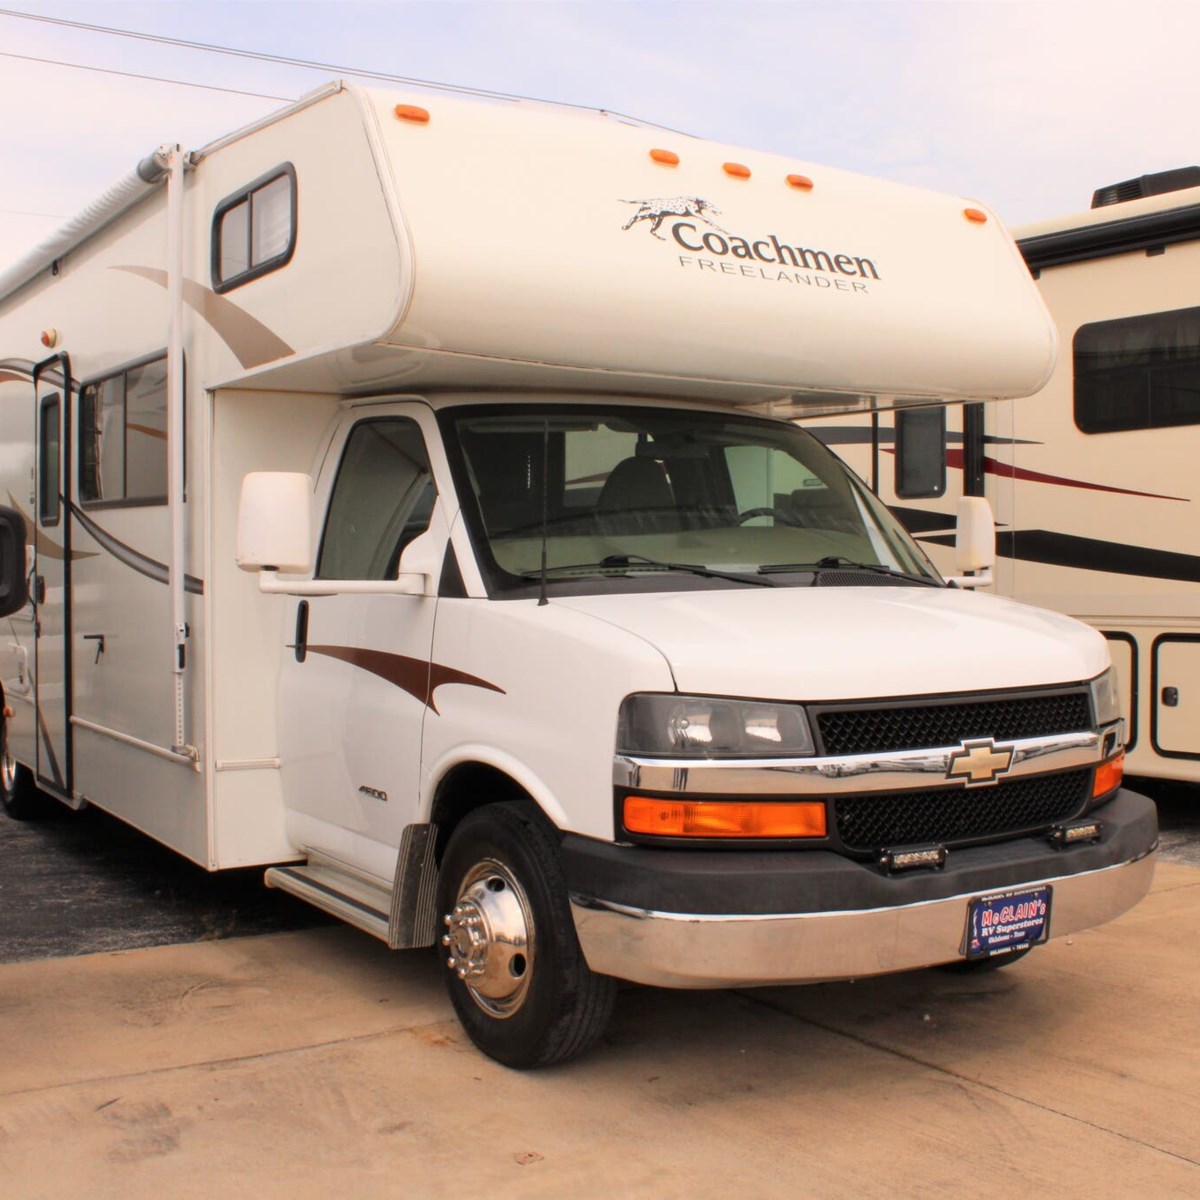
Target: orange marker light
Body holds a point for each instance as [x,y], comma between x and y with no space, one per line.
[801,182]
[668,158]
[737,170]
[975,214]
[49,338]
[1109,775]
[723,819]
[410,112]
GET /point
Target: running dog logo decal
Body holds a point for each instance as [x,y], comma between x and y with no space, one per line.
[657,211]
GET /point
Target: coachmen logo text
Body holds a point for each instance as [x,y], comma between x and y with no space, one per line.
[980,762]
[712,248]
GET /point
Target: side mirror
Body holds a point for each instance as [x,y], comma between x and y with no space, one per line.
[14,589]
[974,543]
[275,522]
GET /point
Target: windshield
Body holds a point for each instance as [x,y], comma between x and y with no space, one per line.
[652,493]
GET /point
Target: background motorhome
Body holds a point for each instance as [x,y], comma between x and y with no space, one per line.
[1093,481]
[521,639]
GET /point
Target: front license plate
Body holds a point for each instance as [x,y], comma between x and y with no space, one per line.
[1007,921]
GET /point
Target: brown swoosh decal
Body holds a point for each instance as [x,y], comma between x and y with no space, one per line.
[13,377]
[251,342]
[44,546]
[419,677]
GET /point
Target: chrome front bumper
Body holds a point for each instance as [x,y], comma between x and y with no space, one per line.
[684,950]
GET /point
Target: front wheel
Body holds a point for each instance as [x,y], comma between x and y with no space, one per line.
[516,975]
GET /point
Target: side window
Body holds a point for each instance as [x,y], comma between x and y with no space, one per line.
[920,453]
[49,458]
[589,457]
[763,477]
[254,230]
[123,436]
[1138,372]
[382,498]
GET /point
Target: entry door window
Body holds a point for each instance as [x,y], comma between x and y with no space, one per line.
[49,470]
[382,499]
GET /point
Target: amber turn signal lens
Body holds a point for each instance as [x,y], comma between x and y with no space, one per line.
[411,112]
[737,170]
[723,819]
[801,182]
[668,158]
[975,214]
[1109,775]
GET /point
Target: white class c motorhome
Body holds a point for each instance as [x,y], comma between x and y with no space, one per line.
[1093,479]
[391,497]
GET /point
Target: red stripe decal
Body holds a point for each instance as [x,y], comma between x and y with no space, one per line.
[954,458]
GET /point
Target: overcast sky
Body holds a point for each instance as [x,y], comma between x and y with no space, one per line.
[1028,105]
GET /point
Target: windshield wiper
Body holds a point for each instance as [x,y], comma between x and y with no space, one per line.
[835,561]
[622,562]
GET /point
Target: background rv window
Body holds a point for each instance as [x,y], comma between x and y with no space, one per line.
[123,436]
[382,498]
[254,230]
[1138,372]
[920,453]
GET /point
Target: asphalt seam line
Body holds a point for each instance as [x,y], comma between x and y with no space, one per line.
[941,1070]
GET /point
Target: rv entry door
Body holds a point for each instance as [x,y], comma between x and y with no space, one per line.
[51,577]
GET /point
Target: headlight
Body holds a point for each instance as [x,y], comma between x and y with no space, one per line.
[1106,701]
[707,727]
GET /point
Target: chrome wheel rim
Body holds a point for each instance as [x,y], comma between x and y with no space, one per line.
[489,938]
[8,773]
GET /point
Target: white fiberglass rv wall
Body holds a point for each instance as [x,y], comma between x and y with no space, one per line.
[390,492]
[1092,480]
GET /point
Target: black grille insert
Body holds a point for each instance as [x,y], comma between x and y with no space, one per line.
[928,726]
[949,815]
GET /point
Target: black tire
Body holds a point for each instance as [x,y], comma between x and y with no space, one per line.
[976,966]
[526,1001]
[19,796]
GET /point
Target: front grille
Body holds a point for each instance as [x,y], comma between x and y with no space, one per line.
[948,722]
[891,819]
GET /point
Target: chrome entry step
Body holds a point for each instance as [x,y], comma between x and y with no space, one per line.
[336,889]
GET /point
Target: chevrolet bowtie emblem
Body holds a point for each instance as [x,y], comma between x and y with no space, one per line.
[979,762]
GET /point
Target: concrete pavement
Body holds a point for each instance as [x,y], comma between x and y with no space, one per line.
[317,1063]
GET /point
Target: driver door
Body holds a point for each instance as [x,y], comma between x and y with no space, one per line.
[353,690]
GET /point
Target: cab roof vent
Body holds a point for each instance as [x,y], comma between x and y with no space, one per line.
[1147,185]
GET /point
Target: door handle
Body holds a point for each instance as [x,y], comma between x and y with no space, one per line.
[301,646]
[38,591]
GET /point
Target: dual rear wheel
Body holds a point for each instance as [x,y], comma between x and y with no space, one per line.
[19,796]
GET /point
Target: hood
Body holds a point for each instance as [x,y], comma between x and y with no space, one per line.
[845,643]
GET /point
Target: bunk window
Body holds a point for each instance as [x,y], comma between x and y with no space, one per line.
[920,453]
[1138,372]
[49,459]
[382,498]
[254,230]
[123,436]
